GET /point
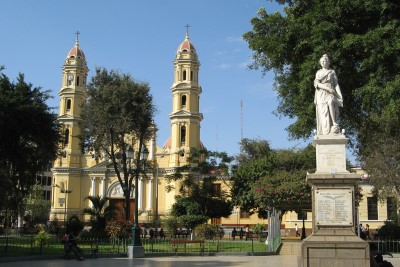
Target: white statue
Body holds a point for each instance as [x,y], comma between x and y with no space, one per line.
[328,98]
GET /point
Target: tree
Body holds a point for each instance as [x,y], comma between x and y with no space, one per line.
[360,37]
[29,137]
[118,114]
[99,213]
[383,165]
[199,198]
[274,178]
[36,206]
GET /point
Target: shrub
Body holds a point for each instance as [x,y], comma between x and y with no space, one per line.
[207,231]
[117,228]
[42,238]
[389,231]
[170,223]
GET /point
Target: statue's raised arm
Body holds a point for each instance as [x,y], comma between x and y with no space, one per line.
[328,98]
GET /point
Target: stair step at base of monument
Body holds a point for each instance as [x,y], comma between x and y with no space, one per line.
[337,250]
[290,248]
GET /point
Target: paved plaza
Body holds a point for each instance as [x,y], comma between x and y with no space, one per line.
[189,261]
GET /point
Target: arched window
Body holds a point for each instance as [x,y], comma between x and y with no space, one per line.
[183,101]
[183,135]
[77,81]
[191,75]
[66,137]
[184,75]
[68,104]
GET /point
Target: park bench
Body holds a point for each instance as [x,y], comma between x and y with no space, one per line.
[181,233]
[86,246]
[175,245]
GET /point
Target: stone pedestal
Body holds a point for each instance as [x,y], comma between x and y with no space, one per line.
[135,252]
[333,241]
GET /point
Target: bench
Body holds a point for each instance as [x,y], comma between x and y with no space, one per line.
[175,245]
[84,247]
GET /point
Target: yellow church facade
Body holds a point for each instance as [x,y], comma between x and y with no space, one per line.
[77,175]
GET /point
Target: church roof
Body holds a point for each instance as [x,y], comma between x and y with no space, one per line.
[76,51]
[186,45]
[168,143]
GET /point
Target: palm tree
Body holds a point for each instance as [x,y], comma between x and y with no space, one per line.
[99,213]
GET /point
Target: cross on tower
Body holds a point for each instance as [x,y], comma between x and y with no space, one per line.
[187,29]
[77,36]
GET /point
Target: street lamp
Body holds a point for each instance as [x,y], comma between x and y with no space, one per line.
[66,191]
[303,230]
[136,242]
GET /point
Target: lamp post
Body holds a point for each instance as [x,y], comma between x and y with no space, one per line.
[136,242]
[303,230]
[66,191]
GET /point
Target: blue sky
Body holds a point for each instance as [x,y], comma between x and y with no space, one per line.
[141,38]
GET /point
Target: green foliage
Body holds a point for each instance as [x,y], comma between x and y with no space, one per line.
[118,229]
[258,228]
[284,190]
[273,179]
[170,224]
[383,165]
[29,136]
[98,214]
[209,232]
[42,238]
[362,41]
[253,149]
[361,38]
[54,226]
[200,199]
[37,207]
[389,230]
[190,221]
[119,113]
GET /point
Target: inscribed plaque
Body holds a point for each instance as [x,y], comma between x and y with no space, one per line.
[334,207]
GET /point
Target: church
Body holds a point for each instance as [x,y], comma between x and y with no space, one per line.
[77,176]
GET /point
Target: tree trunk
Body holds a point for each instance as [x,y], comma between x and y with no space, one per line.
[127,205]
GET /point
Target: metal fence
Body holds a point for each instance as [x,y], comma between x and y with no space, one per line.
[386,246]
[17,246]
[251,246]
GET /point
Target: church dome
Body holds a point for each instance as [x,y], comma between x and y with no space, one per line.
[76,51]
[186,46]
[167,143]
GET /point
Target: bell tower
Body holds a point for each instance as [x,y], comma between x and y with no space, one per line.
[72,97]
[185,117]
[67,170]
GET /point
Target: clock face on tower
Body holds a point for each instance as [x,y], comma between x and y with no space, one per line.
[70,77]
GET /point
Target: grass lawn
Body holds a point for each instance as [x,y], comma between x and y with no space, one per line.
[25,246]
